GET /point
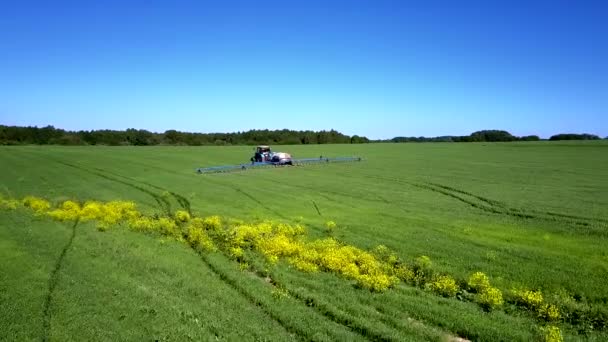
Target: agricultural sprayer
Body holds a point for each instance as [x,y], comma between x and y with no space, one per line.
[264,157]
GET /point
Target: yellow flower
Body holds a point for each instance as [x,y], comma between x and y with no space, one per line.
[9,204]
[552,334]
[236,252]
[142,224]
[168,227]
[445,286]
[404,273]
[490,298]
[423,262]
[550,312]
[212,223]
[198,238]
[67,211]
[38,205]
[530,299]
[479,281]
[182,216]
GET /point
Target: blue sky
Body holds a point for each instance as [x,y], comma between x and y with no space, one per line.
[374,68]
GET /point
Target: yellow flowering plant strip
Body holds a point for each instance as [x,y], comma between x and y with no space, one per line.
[376,270]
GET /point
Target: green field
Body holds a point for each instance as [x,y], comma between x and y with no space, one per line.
[529,215]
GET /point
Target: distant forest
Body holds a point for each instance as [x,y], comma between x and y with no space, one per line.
[49,135]
[494,135]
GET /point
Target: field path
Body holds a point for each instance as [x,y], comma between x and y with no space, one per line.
[53,279]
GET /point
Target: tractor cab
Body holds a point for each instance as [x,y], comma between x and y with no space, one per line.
[262,154]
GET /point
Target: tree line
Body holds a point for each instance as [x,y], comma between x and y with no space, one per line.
[571,136]
[479,136]
[49,135]
[494,136]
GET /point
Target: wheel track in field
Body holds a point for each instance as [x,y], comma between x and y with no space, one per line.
[309,302]
[324,194]
[334,314]
[317,208]
[163,204]
[490,206]
[325,310]
[232,283]
[497,207]
[482,199]
[249,196]
[181,200]
[160,200]
[378,199]
[53,279]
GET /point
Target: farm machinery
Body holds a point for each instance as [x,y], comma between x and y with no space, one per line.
[265,157]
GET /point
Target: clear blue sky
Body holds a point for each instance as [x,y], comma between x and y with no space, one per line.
[374,68]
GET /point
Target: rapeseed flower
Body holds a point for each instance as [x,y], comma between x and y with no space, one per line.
[490,298]
[479,282]
[552,334]
[445,286]
[182,216]
[38,205]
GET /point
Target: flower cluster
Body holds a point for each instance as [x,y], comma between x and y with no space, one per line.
[444,285]
[9,204]
[490,298]
[280,241]
[530,299]
[479,282]
[487,296]
[330,226]
[198,237]
[38,205]
[182,216]
[106,214]
[534,301]
[552,333]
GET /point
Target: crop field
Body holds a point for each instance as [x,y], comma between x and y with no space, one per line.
[484,242]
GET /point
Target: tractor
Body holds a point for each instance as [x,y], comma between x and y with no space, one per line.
[264,157]
[263,154]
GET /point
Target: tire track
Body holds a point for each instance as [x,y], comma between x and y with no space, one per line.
[162,202]
[303,335]
[246,194]
[232,283]
[488,205]
[515,210]
[483,199]
[181,200]
[53,278]
[460,198]
[334,316]
[316,207]
[251,197]
[499,206]
[575,217]
[325,310]
[378,199]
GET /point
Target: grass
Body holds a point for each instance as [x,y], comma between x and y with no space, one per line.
[530,215]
